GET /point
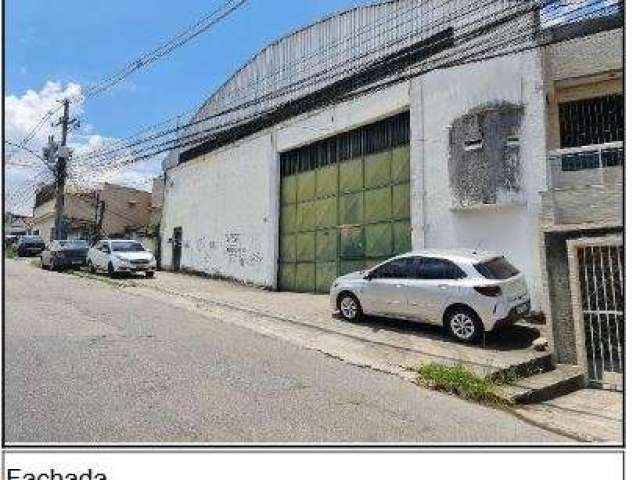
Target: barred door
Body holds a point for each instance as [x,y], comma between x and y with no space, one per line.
[598,268]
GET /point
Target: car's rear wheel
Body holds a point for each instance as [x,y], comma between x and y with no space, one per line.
[148,274]
[464,325]
[349,307]
[110,271]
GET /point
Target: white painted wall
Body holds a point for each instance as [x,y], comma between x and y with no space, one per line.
[588,55]
[235,190]
[440,97]
[221,201]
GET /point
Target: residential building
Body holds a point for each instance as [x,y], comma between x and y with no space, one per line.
[582,206]
[109,211]
[15,224]
[78,217]
[149,234]
[125,210]
[383,129]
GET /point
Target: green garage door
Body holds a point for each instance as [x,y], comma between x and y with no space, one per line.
[344,205]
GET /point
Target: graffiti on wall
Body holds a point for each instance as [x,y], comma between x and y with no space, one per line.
[210,254]
[242,249]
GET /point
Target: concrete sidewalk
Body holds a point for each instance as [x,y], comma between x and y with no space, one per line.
[501,349]
[589,415]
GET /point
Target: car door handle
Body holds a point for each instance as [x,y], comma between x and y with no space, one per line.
[443,287]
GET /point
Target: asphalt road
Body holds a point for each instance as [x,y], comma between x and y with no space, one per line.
[87,362]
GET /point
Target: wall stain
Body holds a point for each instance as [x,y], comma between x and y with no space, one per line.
[484,155]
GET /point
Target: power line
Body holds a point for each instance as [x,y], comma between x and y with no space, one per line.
[317,76]
[188,140]
[184,141]
[183,37]
[463,60]
[152,56]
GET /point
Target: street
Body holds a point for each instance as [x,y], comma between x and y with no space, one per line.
[86,361]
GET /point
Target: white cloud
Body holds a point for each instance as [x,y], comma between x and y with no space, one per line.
[25,111]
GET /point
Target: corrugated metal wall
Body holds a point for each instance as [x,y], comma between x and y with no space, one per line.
[345,204]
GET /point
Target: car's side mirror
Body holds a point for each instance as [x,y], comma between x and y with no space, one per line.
[368,277]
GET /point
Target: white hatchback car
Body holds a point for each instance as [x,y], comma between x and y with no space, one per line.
[120,256]
[466,291]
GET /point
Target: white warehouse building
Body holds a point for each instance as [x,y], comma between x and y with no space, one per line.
[401,125]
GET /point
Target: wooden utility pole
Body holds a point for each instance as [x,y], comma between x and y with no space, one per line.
[63,154]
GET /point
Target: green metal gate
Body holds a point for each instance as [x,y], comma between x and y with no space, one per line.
[345,204]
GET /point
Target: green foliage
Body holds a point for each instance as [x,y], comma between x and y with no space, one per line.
[10,251]
[458,380]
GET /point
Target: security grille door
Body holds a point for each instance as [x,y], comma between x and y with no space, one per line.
[599,271]
[344,205]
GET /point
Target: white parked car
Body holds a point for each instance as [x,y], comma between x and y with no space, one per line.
[120,256]
[466,291]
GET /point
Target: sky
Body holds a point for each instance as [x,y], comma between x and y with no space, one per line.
[53,49]
[57,48]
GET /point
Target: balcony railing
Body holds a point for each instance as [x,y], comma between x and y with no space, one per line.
[584,187]
[589,165]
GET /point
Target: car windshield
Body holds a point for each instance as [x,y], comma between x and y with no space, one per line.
[496,269]
[71,244]
[127,247]
[31,239]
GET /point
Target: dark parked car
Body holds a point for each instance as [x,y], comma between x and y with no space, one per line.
[30,245]
[62,254]
[10,240]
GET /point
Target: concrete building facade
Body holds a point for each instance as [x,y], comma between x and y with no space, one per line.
[293,190]
[111,210]
[582,216]
[225,201]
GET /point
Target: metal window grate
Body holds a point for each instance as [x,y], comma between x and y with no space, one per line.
[592,121]
[388,133]
[602,288]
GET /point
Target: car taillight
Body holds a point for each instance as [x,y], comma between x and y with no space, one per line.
[488,291]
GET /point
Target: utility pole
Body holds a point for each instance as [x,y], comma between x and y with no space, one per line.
[100,219]
[63,154]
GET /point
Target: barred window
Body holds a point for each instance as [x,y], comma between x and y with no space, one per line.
[388,133]
[592,121]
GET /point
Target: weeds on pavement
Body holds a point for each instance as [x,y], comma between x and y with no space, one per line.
[460,381]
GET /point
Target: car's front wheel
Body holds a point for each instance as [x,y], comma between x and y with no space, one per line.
[464,325]
[110,271]
[149,274]
[92,269]
[349,307]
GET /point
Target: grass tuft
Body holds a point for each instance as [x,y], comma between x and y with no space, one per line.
[458,380]
[10,251]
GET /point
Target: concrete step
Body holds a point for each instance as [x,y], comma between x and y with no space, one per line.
[544,386]
[532,366]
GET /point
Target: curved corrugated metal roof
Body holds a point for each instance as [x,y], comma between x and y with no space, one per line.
[323,52]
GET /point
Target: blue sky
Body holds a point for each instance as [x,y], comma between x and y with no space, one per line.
[78,41]
[54,49]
